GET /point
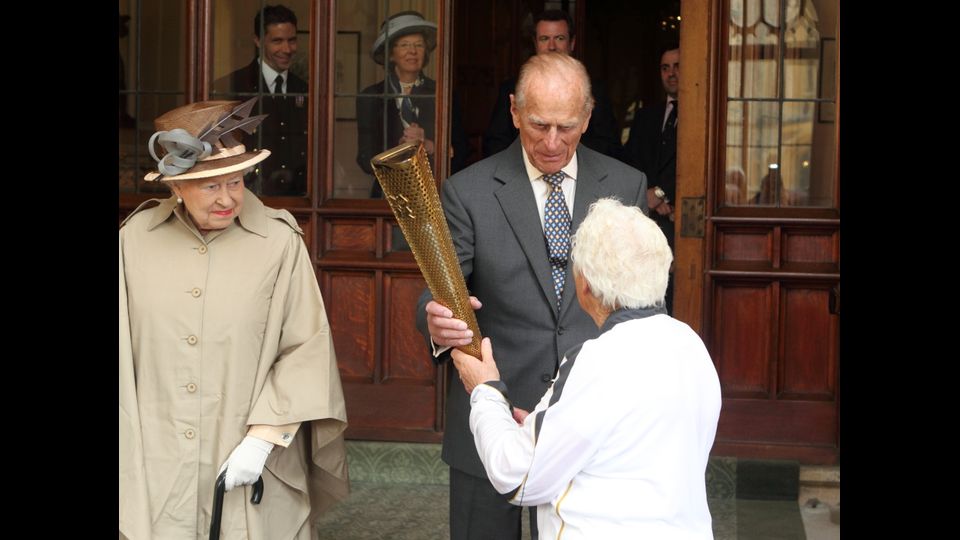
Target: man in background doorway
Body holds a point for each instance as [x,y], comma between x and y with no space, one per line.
[652,148]
[283,99]
[554,31]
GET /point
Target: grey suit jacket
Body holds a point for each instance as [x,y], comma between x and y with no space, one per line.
[493,219]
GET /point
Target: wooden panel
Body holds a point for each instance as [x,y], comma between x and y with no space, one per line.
[742,338]
[390,406]
[739,244]
[350,301]
[805,453]
[406,357]
[810,247]
[778,422]
[350,234]
[808,339]
[394,239]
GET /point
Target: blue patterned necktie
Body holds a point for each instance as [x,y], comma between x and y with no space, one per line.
[556,229]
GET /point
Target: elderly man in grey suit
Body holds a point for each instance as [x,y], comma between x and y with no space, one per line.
[511,216]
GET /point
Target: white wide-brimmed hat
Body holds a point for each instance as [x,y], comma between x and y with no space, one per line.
[199,140]
[403,24]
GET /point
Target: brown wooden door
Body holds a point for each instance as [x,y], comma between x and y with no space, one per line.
[369,278]
[758,258]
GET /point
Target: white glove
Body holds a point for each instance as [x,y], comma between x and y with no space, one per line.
[246,462]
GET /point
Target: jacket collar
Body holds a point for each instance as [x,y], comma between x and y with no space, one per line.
[252,217]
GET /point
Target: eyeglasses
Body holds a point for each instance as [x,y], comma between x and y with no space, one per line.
[407,45]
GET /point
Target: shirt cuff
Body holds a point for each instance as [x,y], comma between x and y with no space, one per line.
[491,387]
[278,435]
[437,351]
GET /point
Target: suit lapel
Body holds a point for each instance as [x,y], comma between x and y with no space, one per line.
[520,210]
[589,175]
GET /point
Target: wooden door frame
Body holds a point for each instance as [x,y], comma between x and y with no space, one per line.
[697,137]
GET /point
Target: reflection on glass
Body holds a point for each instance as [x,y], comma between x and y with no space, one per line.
[752,136]
[780,139]
[771,187]
[384,87]
[151,80]
[401,108]
[276,75]
[754,49]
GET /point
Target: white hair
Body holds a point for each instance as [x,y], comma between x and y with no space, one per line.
[558,67]
[623,255]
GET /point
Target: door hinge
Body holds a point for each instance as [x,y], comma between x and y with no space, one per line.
[692,216]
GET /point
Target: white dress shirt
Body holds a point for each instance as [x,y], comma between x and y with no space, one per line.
[270,75]
[541,188]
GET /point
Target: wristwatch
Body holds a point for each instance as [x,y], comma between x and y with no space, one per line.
[658,191]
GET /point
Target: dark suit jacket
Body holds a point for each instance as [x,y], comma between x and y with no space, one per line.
[283,131]
[372,125]
[647,151]
[495,225]
[602,134]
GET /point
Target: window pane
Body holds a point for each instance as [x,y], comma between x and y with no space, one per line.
[754,48]
[152,81]
[802,46]
[374,112]
[761,123]
[781,151]
[246,64]
[735,184]
[795,149]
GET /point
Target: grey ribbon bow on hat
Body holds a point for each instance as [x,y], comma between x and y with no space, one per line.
[184,150]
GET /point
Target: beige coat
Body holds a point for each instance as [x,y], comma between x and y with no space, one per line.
[217,334]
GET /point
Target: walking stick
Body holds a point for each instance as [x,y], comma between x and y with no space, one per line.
[218,492]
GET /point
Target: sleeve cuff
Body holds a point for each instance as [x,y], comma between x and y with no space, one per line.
[278,435]
[438,351]
[500,387]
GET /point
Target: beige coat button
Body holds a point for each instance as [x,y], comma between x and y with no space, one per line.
[192,340]
[195,292]
[189,434]
[191,388]
[202,250]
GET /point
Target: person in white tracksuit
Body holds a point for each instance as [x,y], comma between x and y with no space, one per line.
[618,445]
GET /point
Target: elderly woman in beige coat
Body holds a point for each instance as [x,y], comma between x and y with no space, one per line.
[226,358]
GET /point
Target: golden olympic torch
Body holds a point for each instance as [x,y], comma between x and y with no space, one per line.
[408,185]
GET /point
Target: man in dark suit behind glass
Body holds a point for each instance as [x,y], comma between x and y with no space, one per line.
[496,213]
[554,31]
[284,100]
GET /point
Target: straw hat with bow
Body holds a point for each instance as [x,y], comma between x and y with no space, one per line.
[199,140]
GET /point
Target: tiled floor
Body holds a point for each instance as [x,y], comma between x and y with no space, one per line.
[419,512]
[399,491]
